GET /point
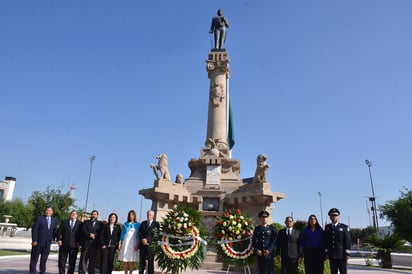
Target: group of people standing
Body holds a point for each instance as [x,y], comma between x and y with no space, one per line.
[93,237]
[312,246]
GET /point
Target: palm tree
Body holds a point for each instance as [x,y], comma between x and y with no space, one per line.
[385,245]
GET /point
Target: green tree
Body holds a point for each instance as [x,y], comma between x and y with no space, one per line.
[277,226]
[366,232]
[22,213]
[385,246]
[361,234]
[53,197]
[300,225]
[355,234]
[399,212]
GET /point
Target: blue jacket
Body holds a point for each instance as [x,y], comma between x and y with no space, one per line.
[40,233]
[127,226]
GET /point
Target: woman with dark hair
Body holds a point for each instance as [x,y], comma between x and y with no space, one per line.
[313,246]
[110,237]
[129,242]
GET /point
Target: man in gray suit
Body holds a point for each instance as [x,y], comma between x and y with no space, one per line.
[289,248]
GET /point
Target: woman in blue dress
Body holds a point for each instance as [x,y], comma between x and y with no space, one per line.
[313,246]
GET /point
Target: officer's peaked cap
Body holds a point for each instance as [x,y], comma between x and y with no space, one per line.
[263,213]
[334,211]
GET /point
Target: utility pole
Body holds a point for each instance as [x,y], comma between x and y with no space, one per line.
[92,158]
[373,199]
[321,210]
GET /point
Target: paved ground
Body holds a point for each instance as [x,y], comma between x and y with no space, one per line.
[19,264]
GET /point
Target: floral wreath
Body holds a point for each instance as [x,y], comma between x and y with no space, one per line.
[181,241]
[234,231]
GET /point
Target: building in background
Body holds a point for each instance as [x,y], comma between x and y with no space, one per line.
[7,188]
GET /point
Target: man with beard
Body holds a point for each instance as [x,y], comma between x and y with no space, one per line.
[90,232]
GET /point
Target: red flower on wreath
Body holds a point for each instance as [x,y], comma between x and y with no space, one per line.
[233,231]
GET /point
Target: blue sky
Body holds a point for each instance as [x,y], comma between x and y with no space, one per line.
[318,86]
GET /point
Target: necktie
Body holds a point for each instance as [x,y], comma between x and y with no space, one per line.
[48,222]
[71,224]
[288,232]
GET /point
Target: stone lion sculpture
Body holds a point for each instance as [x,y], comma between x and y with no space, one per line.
[162,167]
[261,169]
[179,179]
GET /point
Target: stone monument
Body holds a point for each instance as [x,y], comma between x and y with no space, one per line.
[214,183]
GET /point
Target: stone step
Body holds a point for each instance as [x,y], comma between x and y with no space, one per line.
[213,265]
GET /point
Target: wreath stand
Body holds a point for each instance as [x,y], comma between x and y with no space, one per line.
[246,269]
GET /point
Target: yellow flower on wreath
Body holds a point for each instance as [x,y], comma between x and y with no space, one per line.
[181,239]
[233,231]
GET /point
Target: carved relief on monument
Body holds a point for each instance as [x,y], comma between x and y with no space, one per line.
[214,148]
[217,93]
[261,169]
[212,67]
[161,167]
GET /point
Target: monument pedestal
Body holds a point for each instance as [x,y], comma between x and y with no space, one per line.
[214,184]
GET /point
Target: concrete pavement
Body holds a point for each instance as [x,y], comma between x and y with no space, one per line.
[19,264]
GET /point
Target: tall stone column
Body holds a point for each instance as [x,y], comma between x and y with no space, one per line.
[214,184]
[217,67]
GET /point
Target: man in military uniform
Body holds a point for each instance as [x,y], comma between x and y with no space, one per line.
[337,243]
[263,242]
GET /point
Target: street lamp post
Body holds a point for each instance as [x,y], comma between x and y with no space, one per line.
[321,210]
[88,185]
[373,199]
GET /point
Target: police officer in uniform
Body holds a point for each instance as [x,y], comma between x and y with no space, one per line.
[337,243]
[263,242]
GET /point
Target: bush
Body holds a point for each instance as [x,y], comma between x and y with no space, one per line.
[301,267]
[118,265]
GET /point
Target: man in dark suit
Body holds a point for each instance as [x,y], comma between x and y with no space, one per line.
[289,248]
[218,27]
[337,243]
[263,242]
[145,236]
[90,233]
[42,234]
[68,239]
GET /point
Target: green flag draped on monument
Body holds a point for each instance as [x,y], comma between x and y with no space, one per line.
[230,128]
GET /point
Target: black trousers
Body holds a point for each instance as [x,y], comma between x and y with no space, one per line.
[36,252]
[314,260]
[88,258]
[265,264]
[290,266]
[107,260]
[64,252]
[146,254]
[336,265]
